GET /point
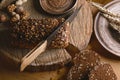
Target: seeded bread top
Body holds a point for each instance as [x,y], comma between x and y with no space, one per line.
[103,72]
[84,62]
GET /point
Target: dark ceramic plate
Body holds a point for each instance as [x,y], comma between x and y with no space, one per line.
[109,38]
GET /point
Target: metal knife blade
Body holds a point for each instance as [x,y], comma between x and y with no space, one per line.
[41,47]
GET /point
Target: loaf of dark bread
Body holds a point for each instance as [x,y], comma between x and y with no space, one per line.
[84,62]
[28,33]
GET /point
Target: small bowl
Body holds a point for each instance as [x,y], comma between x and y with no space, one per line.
[108,37]
[58,7]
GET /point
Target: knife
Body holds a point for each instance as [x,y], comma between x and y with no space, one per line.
[42,46]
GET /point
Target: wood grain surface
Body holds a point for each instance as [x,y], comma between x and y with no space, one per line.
[6,73]
[55,58]
[80,33]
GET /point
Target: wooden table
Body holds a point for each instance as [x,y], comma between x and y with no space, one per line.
[6,73]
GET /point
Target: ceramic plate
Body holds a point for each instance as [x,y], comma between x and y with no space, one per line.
[109,38]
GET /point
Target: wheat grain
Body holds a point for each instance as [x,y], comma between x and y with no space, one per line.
[112,19]
[104,10]
[115,26]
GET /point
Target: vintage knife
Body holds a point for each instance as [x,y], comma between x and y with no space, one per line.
[41,47]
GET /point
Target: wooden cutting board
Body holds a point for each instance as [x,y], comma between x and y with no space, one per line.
[10,74]
[80,33]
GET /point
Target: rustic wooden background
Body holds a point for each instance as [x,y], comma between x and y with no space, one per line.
[6,73]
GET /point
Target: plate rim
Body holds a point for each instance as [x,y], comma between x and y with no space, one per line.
[96,31]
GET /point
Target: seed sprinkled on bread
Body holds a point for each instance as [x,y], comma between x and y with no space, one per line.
[32,31]
[102,72]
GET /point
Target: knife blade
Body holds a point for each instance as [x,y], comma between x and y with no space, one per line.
[41,47]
